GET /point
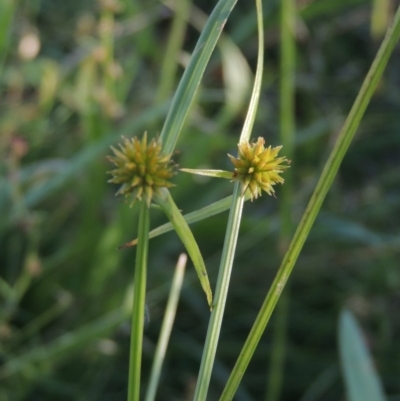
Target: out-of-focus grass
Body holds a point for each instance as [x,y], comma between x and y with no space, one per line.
[63,285]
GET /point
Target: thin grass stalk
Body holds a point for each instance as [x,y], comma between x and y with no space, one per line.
[232,231]
[255,95]
[221,292]
[287,129]
[138,311]
[166,328]
[174,45]
[191,78]
[324,183]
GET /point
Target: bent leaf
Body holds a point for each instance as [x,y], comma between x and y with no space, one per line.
[361,379]
[185,234]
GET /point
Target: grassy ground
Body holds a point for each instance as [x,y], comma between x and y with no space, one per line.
[64,287]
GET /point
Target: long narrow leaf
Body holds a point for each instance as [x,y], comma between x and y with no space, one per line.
[361,379]
[166,328]
[191,78]
[185,234]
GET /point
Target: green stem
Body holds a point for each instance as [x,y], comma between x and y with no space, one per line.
[166,328]
[221,292]
[139,298]
[314,206]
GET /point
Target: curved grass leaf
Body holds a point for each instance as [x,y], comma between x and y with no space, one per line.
[166,328]
[185,234]
[191,78]
[361,379]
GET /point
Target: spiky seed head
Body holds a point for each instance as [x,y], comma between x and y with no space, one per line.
[258,168]
[141,168]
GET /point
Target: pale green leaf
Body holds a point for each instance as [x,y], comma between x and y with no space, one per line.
[361,379]
[185,234]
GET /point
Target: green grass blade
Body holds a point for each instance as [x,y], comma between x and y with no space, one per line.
[191,78]
[314,205]
[255,95]
[236,71]
[166,328]
[221,293]
[139,299]
[185,234]
[361,379]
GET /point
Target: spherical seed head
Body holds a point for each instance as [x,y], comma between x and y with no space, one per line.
[258,168]
[141,168]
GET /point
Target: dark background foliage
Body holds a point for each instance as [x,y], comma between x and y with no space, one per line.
[65,289]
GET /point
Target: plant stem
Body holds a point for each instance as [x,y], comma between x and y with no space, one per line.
[214,327]
[166,328]
[139,297]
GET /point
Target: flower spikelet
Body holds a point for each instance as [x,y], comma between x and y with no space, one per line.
[141,168]
[258,168]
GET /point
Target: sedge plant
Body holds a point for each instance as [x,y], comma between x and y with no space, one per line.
[142,170]
[256,169]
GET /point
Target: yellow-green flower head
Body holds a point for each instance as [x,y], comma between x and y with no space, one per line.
[258,168]
[140,168]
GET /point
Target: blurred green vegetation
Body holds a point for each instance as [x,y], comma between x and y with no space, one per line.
[74,77]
